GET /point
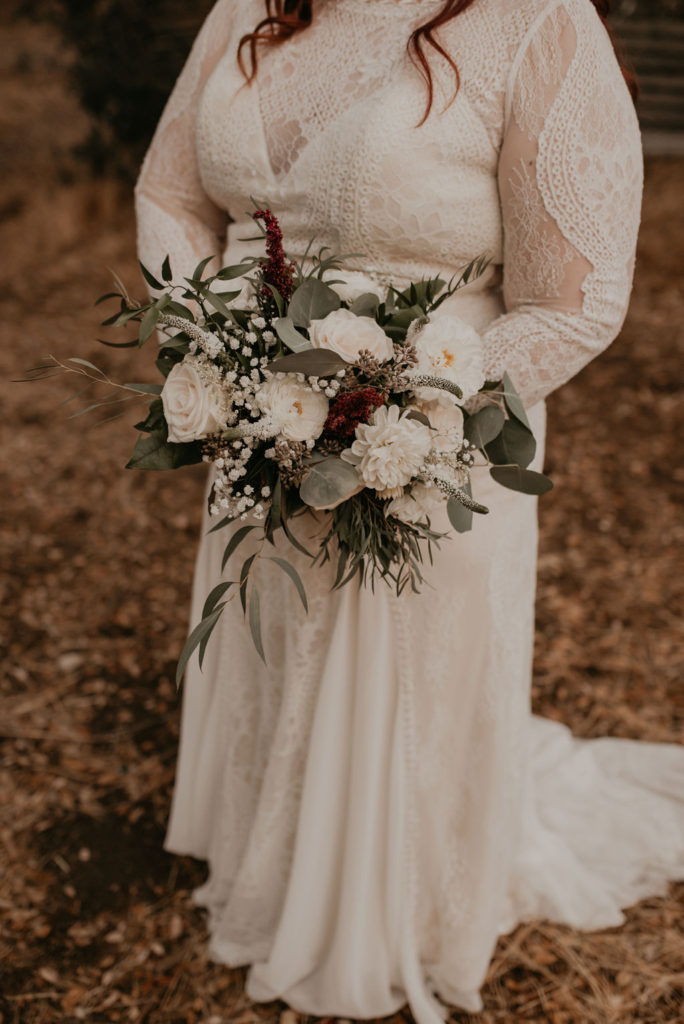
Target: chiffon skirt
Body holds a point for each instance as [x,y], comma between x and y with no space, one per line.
[377,803]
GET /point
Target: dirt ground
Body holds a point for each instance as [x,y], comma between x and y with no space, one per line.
[97,562]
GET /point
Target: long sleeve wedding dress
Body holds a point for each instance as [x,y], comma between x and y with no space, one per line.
[377,804]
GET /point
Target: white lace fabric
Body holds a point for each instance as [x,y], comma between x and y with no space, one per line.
[377,804]
[537,162]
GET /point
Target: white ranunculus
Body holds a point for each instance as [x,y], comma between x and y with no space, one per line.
[347,334]
[356,283]
[446,420]
[417,504]
[297,412]
[193,406]
[450,348]
[389,450]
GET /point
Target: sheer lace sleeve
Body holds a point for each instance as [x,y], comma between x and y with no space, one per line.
[570,181]
[174,214]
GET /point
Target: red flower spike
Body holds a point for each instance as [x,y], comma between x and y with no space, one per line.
[276,271]
[350,409]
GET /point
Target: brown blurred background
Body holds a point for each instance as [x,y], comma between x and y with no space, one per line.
[97,562]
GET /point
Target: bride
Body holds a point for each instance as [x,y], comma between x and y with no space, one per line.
[378,804]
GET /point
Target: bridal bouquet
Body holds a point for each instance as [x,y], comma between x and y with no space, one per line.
[304,396]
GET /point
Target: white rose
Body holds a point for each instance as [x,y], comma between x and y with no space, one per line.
[347,334]
[389,450]
[449,347]
[193,407]
[298,412]
[417,504]
[356,283]
[446,420]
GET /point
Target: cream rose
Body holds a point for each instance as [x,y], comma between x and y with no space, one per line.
[193,407]
[446,420]
[417,504]
[450,348]
[347,334]
[389,450]
[297,412]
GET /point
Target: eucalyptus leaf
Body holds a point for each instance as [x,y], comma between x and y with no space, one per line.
[524,480]
[226,521]
[365,304]
[215,596]
[203,629]
[315,362]
[294,576]
[484,425]
[244,580]
[460,517]
[515,444]
[234,543]
[166,270]
[145,389]
[255,622]
[328,482]
[290,336]
[513,402]
[292,538]
[313,300]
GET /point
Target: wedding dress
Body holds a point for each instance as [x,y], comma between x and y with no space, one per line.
[377,803]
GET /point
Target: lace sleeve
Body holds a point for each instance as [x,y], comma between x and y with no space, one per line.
[174,214]
[570,181]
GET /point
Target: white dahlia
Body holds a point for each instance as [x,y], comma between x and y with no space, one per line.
[389,450]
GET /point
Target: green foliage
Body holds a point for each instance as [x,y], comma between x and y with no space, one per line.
[460,517]
[329,481]
[524,480]
[483,426]
[515,444]
[314,362]
[155,451]
[313,300]
[369,544]
[289,335]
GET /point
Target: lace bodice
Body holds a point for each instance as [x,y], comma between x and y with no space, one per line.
[536,162]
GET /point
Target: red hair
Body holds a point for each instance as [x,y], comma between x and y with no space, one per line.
[286,17]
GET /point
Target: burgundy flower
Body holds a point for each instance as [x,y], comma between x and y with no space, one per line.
[275,271]
[351,408]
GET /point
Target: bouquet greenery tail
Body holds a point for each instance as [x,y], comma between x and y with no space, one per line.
[306,396]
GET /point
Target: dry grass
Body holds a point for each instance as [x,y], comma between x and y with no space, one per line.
[98,920]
